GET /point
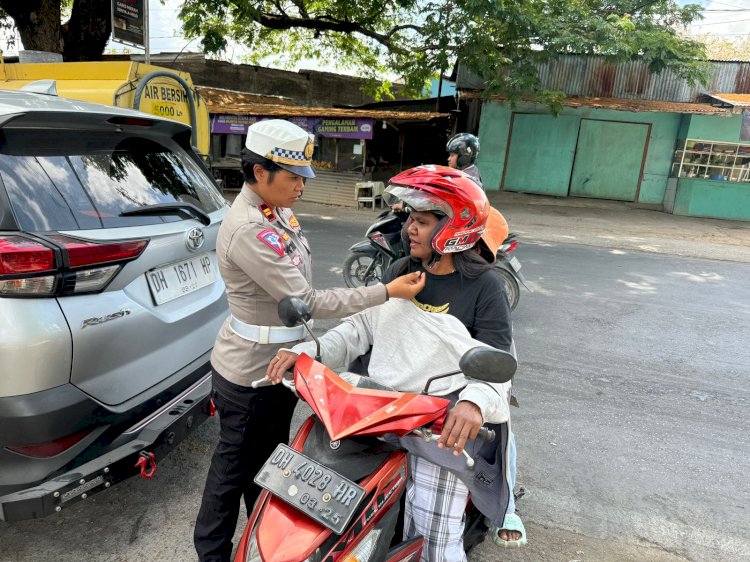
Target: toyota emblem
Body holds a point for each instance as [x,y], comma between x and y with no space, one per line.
[195,239]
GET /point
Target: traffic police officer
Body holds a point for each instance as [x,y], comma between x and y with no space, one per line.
[263,257]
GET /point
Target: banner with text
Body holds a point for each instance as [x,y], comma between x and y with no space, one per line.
[128,17]
[348,128]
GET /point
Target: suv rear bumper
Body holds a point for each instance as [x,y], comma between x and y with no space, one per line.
[158,434]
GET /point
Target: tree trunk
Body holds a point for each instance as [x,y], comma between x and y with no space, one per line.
[38,23]
[86,34]
[82,38]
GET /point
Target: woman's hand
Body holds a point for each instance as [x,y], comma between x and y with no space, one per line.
[407,286]
[280,364]
[462,423]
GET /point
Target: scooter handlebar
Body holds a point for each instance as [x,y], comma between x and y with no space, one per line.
[486,434]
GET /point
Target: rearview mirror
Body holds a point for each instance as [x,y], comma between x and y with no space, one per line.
[488,364]
[292,311]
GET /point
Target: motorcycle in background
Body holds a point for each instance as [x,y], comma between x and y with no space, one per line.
[367,260]
[509,269]
[333,494]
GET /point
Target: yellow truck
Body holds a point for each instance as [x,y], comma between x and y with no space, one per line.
[151,89]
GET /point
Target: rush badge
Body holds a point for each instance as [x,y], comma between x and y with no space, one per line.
[293,222]
[272,239]
[267,212]
[285,237]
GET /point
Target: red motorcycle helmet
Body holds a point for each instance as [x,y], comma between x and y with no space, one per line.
[449,193]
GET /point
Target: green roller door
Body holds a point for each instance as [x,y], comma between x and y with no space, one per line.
[608,160]
[541,152]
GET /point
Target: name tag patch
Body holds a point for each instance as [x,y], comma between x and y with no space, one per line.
[272,239]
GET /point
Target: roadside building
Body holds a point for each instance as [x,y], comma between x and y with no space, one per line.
[622,134]
[351,145]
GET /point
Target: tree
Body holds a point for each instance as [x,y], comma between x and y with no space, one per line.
[39,22]
[720,48]
[499,40]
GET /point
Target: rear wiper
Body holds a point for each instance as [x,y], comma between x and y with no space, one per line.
[182,209]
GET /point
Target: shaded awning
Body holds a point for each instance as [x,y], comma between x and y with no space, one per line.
[231,102]
[735,100]
[620,104]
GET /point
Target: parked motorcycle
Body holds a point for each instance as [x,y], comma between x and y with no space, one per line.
[334,494]
[367,260]
[509,269]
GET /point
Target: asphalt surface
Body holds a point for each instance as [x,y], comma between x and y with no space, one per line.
[632,426]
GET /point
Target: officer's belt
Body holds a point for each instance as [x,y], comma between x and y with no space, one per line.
[266,334]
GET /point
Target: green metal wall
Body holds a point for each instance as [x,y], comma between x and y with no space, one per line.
[609,156]
[715,128]
[493,137]
[715,199]
[539,143]
[709,198]
[494,131]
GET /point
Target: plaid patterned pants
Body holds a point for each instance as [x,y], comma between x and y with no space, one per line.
[435,506]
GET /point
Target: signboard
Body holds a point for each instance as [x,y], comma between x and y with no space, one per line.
[354,128]
[349,128]
[745,127]
[128,21]
[165,98]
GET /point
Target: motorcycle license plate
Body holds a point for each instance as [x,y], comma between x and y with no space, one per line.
[315,490]
[514,263]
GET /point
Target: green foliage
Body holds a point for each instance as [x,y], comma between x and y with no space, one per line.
[499,40]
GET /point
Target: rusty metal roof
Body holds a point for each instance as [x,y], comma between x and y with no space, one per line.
[218,96]
[240,103]
[625,104]
[739,100]
[592,76]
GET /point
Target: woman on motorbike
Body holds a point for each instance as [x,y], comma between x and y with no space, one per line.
[449,211]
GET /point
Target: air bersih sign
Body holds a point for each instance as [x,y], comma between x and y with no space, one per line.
[128,20]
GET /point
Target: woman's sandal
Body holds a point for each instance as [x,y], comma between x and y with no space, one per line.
[512,522]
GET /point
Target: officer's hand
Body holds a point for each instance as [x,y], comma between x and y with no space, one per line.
[280,364]
[462,423]
[407,286]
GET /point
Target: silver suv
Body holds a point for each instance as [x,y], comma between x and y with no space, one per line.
[110,297]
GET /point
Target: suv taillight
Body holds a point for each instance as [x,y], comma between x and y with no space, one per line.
[30,267]
[27,267]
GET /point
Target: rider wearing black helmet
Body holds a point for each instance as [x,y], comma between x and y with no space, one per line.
[463,150]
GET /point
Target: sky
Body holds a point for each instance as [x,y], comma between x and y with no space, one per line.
[728,19]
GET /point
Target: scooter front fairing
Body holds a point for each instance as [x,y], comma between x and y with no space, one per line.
[279,532]
[346,411]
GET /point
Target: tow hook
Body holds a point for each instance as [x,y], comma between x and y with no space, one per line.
[211,407]
[147,463]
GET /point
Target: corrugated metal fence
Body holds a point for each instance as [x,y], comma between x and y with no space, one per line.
[590,76]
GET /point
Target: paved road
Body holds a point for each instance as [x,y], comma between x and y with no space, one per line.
[632,428]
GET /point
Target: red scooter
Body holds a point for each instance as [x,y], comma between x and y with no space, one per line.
[333,495]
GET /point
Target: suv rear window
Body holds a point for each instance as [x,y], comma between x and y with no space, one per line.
[77,180]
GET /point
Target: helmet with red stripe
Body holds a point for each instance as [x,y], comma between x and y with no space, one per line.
[449,193]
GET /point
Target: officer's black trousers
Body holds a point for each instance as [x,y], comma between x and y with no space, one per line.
[253,422]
